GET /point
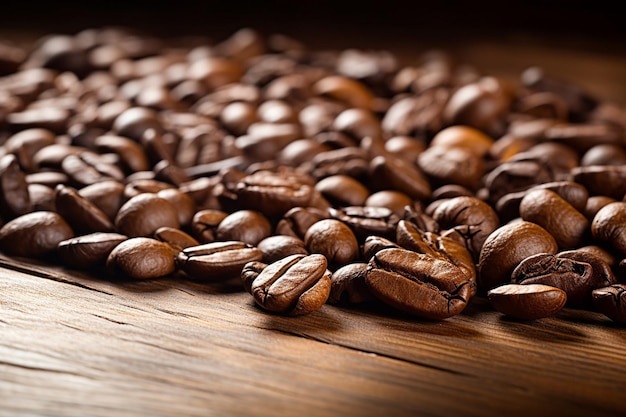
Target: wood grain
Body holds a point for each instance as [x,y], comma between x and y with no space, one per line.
[74,345]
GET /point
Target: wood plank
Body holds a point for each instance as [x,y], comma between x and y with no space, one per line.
[72,345]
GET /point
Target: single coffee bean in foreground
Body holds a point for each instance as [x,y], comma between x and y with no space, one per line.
[419,284]
[295,285]
[611,301]
[527,302]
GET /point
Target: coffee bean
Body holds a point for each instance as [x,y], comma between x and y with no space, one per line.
[143,214]
[14,196]
[334,240]
[418,284]
[141,258]
[176,238]
[276,247]
[82,215]
[295,285]
[34,235]
[249,226]
[527,302]
[90,250]
[347,285]
[216,261]
[506,247]
[611,301]
[609,225]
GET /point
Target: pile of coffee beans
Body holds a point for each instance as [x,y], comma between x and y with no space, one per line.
[313,177]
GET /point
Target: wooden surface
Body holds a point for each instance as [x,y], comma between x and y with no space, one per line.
[78,345]
[74,345]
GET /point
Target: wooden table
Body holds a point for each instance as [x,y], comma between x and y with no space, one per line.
[77,345]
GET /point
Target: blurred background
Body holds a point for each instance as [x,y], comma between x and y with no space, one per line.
[584,41]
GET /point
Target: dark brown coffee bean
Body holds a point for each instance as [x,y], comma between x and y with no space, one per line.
[176,238]
[141,258]
[410,237]
[345,90]
[204,224]
[143,214]
[607,180]
[358,124]
[333,239]
[351,161]
[568,226]
[82,215]
[247,226]
[400,175]
[611,301]
[296,221]
[594,204]
[135,121]
[133,157]
[185,206]
[418,284]
[14,196]
[366,221]
[347,285]
[277,247]
[609,225]
[90,250]
[26,143]
[573,277]
[606,154]
[584,136]
[471,217]
[272,194]
[295,285]
[276,111]
[42,197]
[506,247]
[54,119]
[527,302]
[217,261]
[108,196]
[514,176]
[34,235]
[88,168]
[393,200]
[420,115]
[374,244]
[342,190]
[602,274]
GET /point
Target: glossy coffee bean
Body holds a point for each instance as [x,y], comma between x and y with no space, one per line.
[82,215]
[611,301]
[347,285]
[334,240]
[176,238]
[295,285]
[527,302]
[276,247]
[506,247]
[90,250]
[143,214]
[418,284]
[141,258]
[249,226]
[217,261]
[34,234]
[609,225]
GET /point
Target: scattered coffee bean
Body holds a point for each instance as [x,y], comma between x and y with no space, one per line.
[527,302]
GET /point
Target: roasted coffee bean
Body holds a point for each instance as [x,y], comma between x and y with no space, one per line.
[185,205]
[514,176]
[400,175]
[342,190]
[347,285]
[217,261]
[143,214]
[26,143]
[34,235]
[609,225]
[272,194]
[333,239]
[374,244]
[88,168]
[573,277]
[135,121]
[296,221]
[276,247]
[456,165]
[295,285]
[90,250]
[527,302]
[471,217]
[607,154]
[602,274]
[417,283]
[176,238]
[249,226]
[204,224]
[594,204]
[506,247]
[14,196]
[108,196]
[351,161]
[345,90]
[133,157]
[366,221]
[42,197]
[393,200]
[409,236]
[611,301]
[405,147]
[568,226]
[141,258]
[82,215]
[607,180]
